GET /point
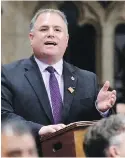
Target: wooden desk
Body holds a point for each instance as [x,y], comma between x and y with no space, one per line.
[66,142]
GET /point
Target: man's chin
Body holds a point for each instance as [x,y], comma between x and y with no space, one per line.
[50,53]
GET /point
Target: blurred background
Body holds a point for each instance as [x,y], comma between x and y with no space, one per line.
[96,29]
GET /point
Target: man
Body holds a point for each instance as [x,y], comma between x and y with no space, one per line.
[45,91]
[106,138]
[17,140]
[120,108]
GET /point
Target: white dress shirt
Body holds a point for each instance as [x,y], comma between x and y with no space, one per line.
[45,74]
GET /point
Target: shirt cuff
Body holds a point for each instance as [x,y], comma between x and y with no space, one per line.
[103,114]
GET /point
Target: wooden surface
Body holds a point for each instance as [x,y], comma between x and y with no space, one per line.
[79,138]
[67,146]
[67,142]
[71,126]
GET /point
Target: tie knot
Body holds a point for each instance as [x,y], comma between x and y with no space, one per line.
[50,69]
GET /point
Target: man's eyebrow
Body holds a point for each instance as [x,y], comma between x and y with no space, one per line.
[57,26]
[44,26]
[48,26]
[16,151]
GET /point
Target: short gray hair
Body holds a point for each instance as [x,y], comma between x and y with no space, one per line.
[15,127]
[105,133]
[40,11]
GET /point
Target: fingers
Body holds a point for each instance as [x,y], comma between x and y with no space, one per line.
[46,130]
[62,125]
[112,102]
[58,126]
[105,86]
[50,129]
[113,97]
[114,92]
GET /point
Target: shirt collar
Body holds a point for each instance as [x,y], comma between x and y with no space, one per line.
[42,66]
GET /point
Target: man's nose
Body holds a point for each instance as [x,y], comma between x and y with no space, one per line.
[51,32]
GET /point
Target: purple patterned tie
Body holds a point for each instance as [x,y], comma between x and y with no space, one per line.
[55,95]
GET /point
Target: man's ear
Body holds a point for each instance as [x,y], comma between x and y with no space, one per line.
[67,39]
[31,36]
[113,151]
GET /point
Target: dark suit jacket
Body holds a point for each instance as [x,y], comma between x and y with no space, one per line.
[24,96]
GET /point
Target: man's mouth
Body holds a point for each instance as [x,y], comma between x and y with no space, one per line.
[50,43]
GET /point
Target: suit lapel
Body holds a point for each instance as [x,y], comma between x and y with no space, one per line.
[33,75]
[70,80]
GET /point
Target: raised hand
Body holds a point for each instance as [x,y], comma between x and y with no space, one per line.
[106,99]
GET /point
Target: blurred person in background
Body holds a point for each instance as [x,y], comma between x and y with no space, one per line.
[120,78]
[17,140]
[120,108]
[106,138]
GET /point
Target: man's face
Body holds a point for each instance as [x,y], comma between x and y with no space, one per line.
[117,150]
[49,37]
[122,147]
[120,108]
[18,146]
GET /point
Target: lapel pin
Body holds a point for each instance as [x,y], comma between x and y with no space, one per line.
[72,78]
[70,89]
